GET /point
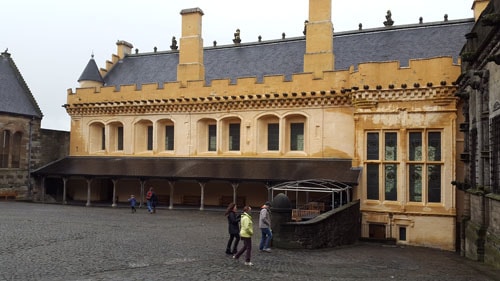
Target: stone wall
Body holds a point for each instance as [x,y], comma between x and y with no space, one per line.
[55,145]
[492,239]
[17,178]
[334,228]
[482,231]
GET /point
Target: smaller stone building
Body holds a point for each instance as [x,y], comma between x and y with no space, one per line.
[24,145]
[20,120]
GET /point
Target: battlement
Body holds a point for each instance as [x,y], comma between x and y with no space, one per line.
[371,75]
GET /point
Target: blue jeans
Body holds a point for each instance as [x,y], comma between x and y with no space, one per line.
[267,235]
[150,206]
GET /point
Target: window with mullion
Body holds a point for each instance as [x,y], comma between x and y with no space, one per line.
[424,167]
[385,165]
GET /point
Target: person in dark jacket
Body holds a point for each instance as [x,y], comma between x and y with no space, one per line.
[233,221]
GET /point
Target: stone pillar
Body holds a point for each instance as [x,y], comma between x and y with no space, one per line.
[65,180]
[202,194]
[114,193]
[89,183]
[281,211]
[171,203]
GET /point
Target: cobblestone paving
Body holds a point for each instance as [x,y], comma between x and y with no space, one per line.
[75,243]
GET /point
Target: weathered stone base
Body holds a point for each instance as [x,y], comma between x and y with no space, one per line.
[331,229]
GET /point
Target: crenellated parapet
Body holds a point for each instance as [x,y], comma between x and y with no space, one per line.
[273,89]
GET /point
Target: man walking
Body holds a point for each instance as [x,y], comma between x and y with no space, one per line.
[265,227]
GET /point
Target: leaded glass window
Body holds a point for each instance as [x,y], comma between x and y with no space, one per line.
[391,182]
[150,138]
[391,146]
[103,138]
[273,136]
[212,137]
[434,183]
[434,149]
[297,136]
[415,173]
[169,137]
[425,167]
[415,146]
[382,172]
[372,181]
[234,137]
[372,146]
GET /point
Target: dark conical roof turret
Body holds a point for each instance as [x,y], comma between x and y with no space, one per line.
[91,72]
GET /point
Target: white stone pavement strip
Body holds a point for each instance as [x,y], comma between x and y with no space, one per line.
[49,242]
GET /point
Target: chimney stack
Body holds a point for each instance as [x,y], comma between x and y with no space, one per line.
[191,47]
[319,55]
[478,7]
[123,48]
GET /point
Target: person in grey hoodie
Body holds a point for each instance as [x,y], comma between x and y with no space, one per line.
[265,227]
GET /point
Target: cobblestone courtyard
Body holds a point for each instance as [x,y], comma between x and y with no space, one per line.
[56,242]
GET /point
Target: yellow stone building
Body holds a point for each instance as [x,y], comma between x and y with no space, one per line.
[375,109]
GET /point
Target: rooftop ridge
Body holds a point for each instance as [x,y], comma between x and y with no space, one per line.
[302,38]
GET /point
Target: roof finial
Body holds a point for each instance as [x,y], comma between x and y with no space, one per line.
[174,44]
[388,17]
[237,38]
[92,55]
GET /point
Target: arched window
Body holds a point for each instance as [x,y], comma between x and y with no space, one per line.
[97,137]
[207,135]
[268,134]
[16,150]
[166,135]
[231,134]
[143,136]
[116,136]
[4,148]
[295,135]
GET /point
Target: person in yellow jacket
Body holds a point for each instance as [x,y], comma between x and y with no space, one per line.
[246,232]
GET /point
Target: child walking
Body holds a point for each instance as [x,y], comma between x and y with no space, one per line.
[132,201]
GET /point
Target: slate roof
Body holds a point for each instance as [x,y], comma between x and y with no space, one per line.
[91,72]
[285,56]
[15,96]
[228,169]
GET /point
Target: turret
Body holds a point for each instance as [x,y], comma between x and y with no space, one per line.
[91,77]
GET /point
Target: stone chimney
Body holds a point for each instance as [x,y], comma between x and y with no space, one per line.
[123,48]
[478,7]
[319,55]
[191,47]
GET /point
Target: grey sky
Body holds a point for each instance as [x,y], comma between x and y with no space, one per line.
[51,41]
